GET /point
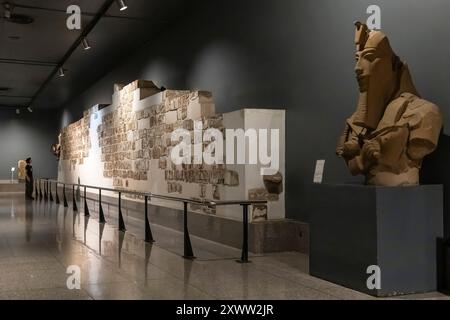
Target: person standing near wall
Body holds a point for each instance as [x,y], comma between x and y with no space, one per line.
[29,180]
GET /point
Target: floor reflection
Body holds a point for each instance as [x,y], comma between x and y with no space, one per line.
[101,228]
[148,254]
[121,239]
[29,215]
[86,223]
[187,264]
[39,240]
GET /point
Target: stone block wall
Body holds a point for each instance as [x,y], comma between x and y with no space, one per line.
[132,147]
[75,141]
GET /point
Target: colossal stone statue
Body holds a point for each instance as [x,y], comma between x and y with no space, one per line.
[393,129]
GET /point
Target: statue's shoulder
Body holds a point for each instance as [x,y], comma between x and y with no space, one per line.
[417,105]
[420,112]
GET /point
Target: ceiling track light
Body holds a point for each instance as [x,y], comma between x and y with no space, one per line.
[85,43]
[62,72]
[122,5]
[30,110]
[17,111]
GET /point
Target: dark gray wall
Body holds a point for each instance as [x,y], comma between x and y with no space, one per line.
[28,135]
[292,54]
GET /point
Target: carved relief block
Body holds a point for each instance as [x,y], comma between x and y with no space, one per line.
[170,117]
[162,163]
[261,194]
[231,178]
[259,212]
[173,187]
[213,122]
[274,183]
[202,193]
[182,113]
[188,124]
[117,182]
[200,110]
[216,193]
[201,97]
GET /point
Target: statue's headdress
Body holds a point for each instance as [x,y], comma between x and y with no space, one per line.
[373,101]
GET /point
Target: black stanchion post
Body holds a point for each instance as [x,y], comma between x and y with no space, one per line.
[78,190]
[45,190]
[74,200]
[100,208]
[121,221]
[86,208]
[36,191]
[65,197]
[50,191]
[244,256]
[40,190]
[56,193]
[188,253]
[148,231]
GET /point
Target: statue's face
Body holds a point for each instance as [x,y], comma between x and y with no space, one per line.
[364,61]
[376,79]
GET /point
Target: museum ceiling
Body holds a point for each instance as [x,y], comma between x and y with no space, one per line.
[30,53]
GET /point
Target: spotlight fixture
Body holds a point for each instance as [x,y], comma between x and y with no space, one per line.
[17,111]
[30,110]
[85,43]
[8,9]
[122,5]
[62,73]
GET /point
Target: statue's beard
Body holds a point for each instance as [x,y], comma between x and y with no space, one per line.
[371,106]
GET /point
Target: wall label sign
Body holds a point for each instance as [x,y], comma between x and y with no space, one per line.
[318,173]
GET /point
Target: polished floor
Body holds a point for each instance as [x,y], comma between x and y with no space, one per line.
[40,240]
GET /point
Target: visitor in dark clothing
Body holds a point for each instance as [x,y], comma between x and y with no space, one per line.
[29,180]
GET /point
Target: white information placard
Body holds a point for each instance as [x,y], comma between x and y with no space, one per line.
[318,173]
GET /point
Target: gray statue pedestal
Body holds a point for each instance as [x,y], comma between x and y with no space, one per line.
[398,229]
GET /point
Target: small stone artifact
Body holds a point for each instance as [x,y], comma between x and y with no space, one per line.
[21,174]
[56,148]
[274,183]
[393,128]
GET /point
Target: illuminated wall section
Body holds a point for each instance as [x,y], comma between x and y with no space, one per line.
[127,146]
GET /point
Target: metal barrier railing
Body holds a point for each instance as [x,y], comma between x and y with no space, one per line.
[47,195]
